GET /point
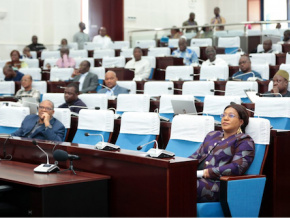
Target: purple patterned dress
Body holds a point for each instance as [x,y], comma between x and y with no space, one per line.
[229,157]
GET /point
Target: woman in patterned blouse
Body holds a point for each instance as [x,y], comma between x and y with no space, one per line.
[224,153]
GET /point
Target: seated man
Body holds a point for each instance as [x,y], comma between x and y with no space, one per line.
[280,85]
[88,81]
[189,56]
[65,61]
[245,70]
[111,83]
[141,66]
[103,39]
[212,59]
[27,91]
[35,46]
[267,47]
[26,53]
[42,126]
[71,93]
[11,75]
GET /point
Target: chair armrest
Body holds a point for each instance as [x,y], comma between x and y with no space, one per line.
[230,178]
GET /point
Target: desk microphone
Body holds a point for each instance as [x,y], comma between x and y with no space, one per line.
[103,145]
[156,152]
[106,87]
[161,69]
[194,74]
[253,78]
[215,90]
[269,94]
[61,87]
[170,88]
[45,168]
[75,106]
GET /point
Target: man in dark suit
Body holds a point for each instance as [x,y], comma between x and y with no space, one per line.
[111,83]
[43,125]
[87,81]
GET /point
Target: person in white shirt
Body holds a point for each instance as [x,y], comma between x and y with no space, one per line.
[212,59]
[142,67]
[103,39]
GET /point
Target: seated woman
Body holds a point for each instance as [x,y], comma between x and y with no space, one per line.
[65,61]
[224,153]
[15,60]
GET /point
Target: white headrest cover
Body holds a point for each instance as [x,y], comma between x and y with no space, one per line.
[95,100]
[100,120]
[158,88]
[259,130]
[272,107]
[142,123]
[214,72]
[133,102]
[197,88]
[165,102]
[7,87]
[13,116]
[177,72]
[191,127]
[216,104]
[63,115]
[236,88]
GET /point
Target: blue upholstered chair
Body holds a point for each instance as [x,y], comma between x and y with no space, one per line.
[132,103]
[11,118]
[188,133]
[231,44]
[7,88]
[241,196]
[214,72]
[158,88]
[64,116]
[199,89]
[276,110]
[175,73]
[100,72]
[138,128]
[237,88]
[94,122]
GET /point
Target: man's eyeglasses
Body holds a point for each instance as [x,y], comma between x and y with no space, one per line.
[46,108]
[229,115]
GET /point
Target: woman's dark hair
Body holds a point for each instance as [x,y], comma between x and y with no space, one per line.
[16,52]
[243,114]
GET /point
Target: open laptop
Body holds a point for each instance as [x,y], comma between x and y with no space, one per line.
[183,107]
[31,103]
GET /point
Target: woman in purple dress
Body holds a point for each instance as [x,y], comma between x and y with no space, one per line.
[224,153]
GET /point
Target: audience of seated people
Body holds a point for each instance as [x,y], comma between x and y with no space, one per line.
[212,59]
[72,101]
[35,46]
[15,60]
[27,90]
[11,74]
[245,71]
[81,37]
[43,125]
[189,56]
[88,82]
[280,85]
[190,22]
[65,61]
[103,39]
[139,65]
[26,53]
[113,88]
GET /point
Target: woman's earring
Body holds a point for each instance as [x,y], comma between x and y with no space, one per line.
[239,130]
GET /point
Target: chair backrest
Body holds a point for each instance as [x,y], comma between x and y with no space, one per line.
[131,85]
[145,43]
[34,72]
[60,74]
[276,110]
[221,33]
[151,60]
[104,53]
[49,61]
[99,71]
[237,88]
[270,86]
[133,102]
[275,47]
[254,32]
[259,130]
[231,59]
[275,32]
[127,52]
[41,86]
[79,60]
[235,33]
[196,49]
[214,72]
[11,118]
[33,54]
[95,100]
[32,63]
[165,107]
[121,44]
[266,58]
[50,54]
[285,67]
[56,98]
[7,87]
[179,72]
[64,116]
[138,128]
[73,45]
[173,43]
[78,53]
[262,69]
[94,122]
[229,42]
[159,52]
[198,89]
[215,104]
[156,88]
[201,42]
[287,58]
[113,62]
[188,133]
[92,45]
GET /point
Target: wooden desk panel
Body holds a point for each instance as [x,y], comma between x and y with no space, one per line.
[280,58]
[162,63]
[285,48]
[122,73]
[273,71]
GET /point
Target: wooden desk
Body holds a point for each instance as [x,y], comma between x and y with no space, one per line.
[54,194]
[122,73]
[57,87]
[139,185]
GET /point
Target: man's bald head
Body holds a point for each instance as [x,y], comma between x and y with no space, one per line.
[111,79]
[267,45]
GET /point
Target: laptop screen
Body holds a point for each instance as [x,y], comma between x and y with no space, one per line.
[183,107]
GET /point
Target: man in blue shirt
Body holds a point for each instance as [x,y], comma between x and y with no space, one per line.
[245,70]
[12,75]
[189,56]
[113,88]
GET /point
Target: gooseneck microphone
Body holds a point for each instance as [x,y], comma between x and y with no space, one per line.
[45,168]
[103,145]
[141,146]
[106,87]
[216,90]
[269,94]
